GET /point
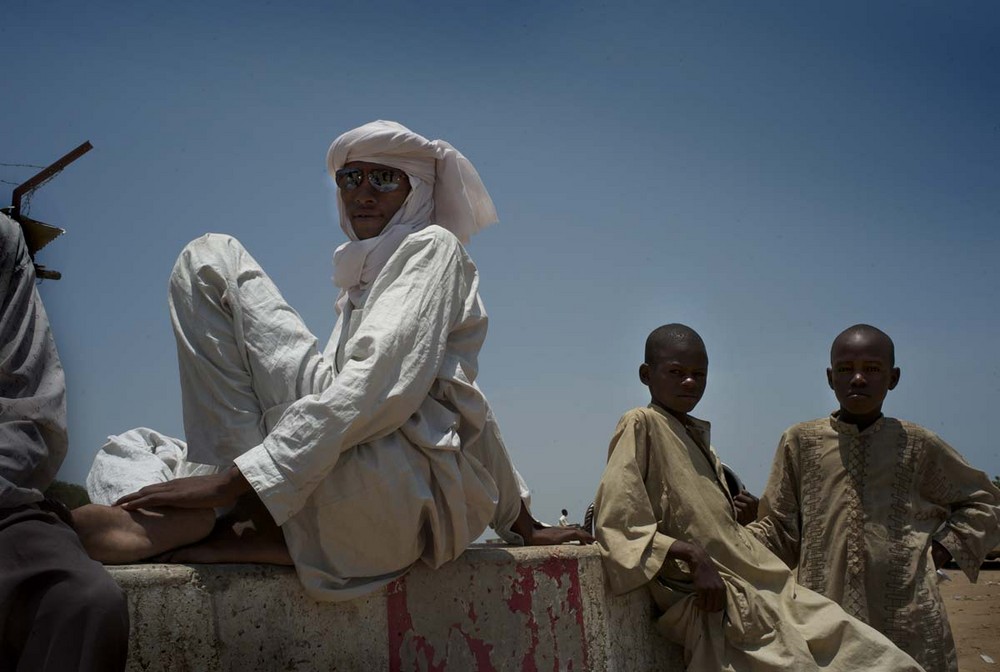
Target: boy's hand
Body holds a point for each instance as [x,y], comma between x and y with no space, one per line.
[746,507]
[193,492]
[940,554]
[709,588]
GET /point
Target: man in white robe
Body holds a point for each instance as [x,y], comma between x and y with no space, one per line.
[381,450]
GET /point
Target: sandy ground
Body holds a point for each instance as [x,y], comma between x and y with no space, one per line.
[974,612]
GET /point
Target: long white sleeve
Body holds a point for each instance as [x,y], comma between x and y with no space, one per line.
[423,297]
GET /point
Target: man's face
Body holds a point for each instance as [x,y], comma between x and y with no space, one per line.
[368,208]
[861,375]
[677,378]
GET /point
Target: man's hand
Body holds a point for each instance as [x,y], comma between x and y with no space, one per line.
[940,554]
[536,534]
[195,492]
[746,507]
[545,536]
[709,588]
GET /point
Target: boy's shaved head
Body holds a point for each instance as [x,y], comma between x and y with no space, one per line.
[669,336]
[867,333]
[676,368]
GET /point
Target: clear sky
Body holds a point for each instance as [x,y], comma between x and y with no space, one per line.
[768,173]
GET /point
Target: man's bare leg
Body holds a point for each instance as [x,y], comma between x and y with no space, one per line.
[114,536]
[247,534]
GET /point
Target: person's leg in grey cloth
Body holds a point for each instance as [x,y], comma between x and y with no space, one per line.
[59,610]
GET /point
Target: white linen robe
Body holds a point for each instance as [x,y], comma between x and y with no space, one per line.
[375,454]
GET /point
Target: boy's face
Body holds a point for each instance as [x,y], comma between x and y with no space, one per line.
[861,376]
[677,378]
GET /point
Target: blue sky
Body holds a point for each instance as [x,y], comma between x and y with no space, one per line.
[768,173]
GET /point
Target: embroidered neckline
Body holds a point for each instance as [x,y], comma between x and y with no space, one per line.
[842,427]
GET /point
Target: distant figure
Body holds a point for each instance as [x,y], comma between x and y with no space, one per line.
[667,521]
[868,507]
[59,610]
[563,520]
[355,461]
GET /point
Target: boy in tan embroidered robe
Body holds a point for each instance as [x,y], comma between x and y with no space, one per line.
[868,507]
[666,520]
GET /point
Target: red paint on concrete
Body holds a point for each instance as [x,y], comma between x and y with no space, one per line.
[557,568]
[564,571]
[480,650]
[520,602]
[401,629]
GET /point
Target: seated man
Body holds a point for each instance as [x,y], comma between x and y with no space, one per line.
[371,455]
[867,507]
[59,610]
[666,520]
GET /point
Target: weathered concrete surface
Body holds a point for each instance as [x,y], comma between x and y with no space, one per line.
[495,608]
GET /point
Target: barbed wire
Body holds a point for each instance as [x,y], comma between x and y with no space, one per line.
[20,165]
[9,182]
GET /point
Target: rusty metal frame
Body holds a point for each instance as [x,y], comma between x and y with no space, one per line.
[39,234]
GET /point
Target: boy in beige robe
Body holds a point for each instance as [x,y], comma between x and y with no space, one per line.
[868,507]
[666,520]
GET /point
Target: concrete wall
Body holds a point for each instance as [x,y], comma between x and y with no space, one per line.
[496,608]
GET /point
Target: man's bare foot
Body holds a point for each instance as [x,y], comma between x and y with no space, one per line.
[114,536]
[546,536]
[234,549]
[535,534]
[246,534]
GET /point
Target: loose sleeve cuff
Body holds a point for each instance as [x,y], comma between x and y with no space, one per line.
[948,538]
[263,474]
[504,531]
[624,579]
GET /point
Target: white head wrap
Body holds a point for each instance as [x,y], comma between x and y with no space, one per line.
[445,189]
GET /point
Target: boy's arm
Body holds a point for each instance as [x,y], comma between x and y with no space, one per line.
[626,524]
[778,524]
[972,527]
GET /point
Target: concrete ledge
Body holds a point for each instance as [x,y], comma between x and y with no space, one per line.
[495,608]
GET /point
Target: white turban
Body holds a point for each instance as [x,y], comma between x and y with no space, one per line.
[445,190]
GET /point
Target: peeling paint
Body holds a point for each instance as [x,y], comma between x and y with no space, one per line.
[545,631]
[544,609]
[401,630]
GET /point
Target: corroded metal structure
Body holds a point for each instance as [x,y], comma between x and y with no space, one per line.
[39,234]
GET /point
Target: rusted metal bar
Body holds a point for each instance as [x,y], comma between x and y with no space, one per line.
[39,234]
[44,175]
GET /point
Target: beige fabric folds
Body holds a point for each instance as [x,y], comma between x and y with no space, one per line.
[856,512]
[664,482]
